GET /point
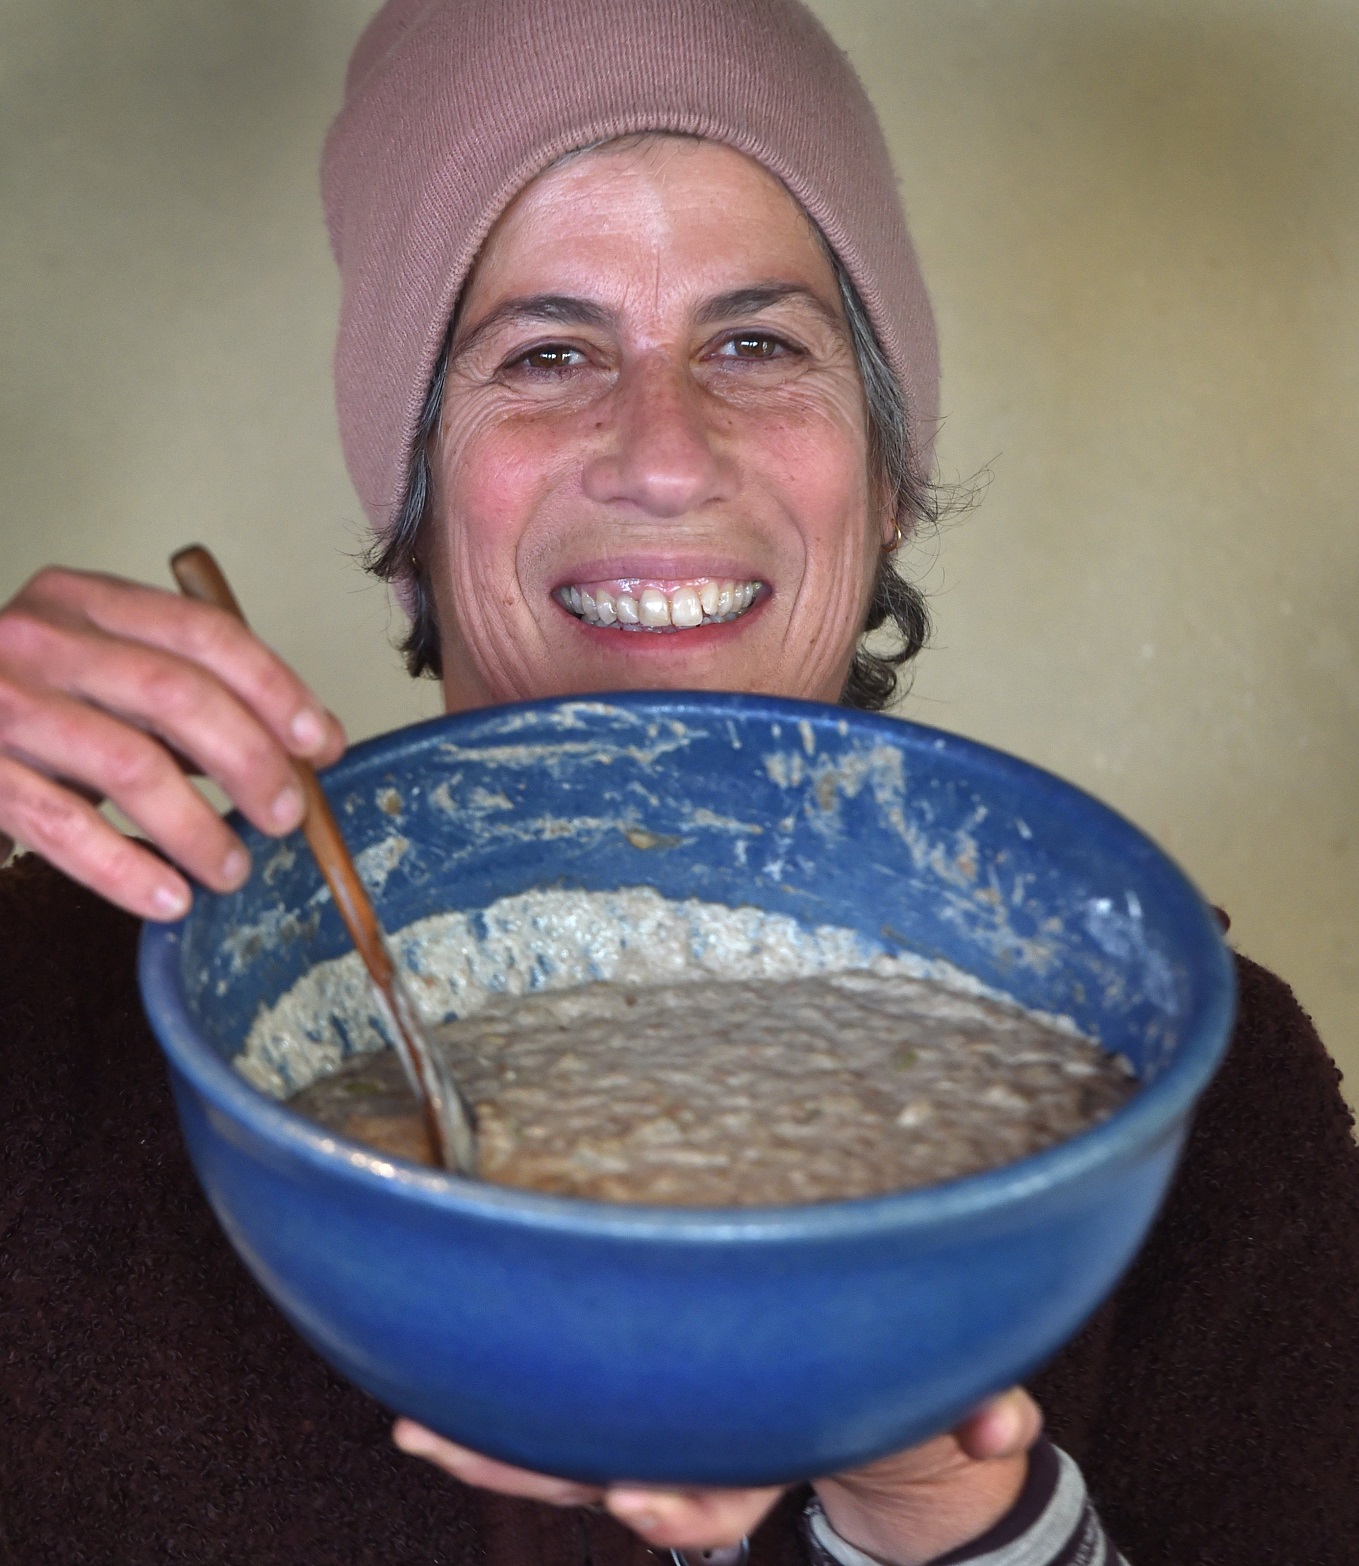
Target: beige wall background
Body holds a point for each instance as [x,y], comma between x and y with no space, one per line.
[1141,223]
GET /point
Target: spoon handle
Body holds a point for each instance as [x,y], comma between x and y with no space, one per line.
[447,1120]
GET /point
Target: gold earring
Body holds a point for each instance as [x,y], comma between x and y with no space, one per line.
[898,537]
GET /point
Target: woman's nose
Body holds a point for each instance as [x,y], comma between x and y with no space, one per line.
[664,454]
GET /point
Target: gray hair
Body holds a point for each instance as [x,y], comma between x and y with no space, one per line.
[895,603]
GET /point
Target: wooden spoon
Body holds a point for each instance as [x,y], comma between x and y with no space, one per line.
[448,1121]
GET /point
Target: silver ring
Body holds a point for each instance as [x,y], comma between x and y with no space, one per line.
[724,1555]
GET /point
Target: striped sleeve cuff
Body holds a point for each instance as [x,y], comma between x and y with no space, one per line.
[1052,1523]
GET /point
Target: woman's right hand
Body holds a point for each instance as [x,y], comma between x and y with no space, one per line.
[111,690]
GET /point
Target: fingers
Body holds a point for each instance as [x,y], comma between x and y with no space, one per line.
[89,749]
[485,1472]
[666,1519]
[690,1519]
[158,658]
[1006,1426]
[204,636]
[107,689]
[201,719]
[71,834]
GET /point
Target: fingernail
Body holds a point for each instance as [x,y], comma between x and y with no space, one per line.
[1004,1425]
[171,901]
[643,1522]
[287,807]
[638,1510]
[308,729]
[235,867]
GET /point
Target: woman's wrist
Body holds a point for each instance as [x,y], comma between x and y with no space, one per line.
[1050,1520]
[929,1518]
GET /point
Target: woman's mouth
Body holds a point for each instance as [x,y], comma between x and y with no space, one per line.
[650,605]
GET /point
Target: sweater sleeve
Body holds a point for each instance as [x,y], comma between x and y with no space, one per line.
[1052,1523]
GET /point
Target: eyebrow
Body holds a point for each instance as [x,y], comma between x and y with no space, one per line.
[568,310]
[554,309]
[764,296]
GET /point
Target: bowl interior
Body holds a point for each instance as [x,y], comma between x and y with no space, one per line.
[913,838]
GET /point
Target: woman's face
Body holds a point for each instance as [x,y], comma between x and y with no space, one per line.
[651,470]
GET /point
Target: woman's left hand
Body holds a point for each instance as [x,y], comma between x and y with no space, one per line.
[904,1509]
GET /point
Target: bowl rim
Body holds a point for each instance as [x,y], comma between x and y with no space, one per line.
[1150,1115]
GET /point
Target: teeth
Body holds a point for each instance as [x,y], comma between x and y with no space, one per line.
[685,609]
[656,609]
[653,607]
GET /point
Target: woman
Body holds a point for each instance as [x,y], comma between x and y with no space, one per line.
[636,378]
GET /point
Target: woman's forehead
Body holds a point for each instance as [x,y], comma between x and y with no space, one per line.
[657,219]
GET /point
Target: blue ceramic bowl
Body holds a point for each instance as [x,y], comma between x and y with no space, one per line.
[737,1346]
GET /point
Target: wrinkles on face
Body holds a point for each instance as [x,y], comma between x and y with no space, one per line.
[651,379]
[494,646]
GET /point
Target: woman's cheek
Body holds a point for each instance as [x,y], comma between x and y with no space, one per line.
[828,484]
[462,579]
[491,497]
[823,473]
[492,475]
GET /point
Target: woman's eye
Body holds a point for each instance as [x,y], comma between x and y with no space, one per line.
[754,345]
[549,357]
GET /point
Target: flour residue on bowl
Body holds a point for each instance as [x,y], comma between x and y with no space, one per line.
[542,940]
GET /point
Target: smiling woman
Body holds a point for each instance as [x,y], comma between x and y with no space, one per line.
[766,340]
[651,393]
[637,382]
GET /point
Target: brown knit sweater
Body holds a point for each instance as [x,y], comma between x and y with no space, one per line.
[155,1408]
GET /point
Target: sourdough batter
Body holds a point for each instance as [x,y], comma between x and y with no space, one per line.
[743,1094]
[686,1054]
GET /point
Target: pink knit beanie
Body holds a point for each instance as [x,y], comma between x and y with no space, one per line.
[452,106]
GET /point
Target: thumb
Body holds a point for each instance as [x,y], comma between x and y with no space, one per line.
[1006,1426]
